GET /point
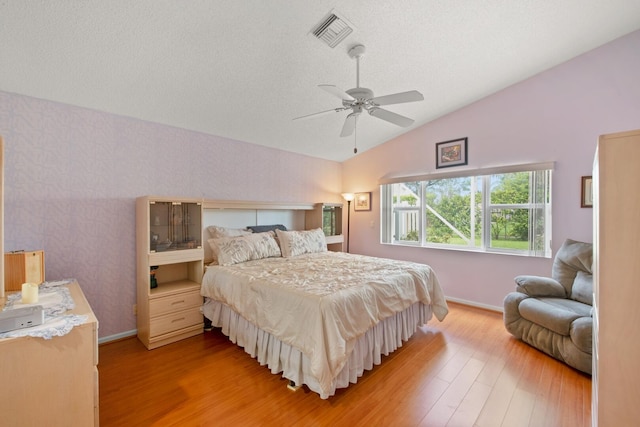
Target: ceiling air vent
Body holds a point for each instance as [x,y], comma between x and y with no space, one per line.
[332,29]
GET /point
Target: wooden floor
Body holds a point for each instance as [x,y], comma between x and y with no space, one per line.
[465,371]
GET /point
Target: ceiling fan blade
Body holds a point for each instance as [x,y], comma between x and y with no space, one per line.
[390,117]
[321,113]
[398,98]
[349,125]
[336,91]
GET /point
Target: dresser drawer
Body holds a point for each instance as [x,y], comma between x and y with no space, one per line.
[174,321]
[173,303]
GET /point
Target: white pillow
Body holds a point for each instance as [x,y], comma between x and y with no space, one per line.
[233,250]
[217,232]
[294,243]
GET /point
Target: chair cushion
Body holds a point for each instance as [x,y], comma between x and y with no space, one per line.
[555,314]
[571,258]
[582,334]
[582,289]
[536,286]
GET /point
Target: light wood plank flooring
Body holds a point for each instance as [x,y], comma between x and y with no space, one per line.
[465,371]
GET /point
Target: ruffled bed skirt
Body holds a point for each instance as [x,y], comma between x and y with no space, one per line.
[382,339]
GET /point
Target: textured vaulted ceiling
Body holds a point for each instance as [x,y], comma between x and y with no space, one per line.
[243,69]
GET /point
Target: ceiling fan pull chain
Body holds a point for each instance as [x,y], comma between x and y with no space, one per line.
[355,137]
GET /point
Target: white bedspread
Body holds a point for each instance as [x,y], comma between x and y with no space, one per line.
[321,303]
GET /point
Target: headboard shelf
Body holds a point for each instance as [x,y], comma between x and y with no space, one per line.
[243,213]
[246,204]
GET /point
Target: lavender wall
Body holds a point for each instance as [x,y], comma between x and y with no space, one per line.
[554,116]
[72,176]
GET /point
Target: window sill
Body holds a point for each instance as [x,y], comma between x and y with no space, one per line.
[464,249]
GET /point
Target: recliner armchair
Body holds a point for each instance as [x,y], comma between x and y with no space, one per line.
[554,314]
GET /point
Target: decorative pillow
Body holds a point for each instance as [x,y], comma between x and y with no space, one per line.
[263,228]
[294,243]
[233,250]
[217,232]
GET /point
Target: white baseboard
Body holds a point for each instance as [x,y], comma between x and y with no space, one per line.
[119,336]
[134,332]
[475,304]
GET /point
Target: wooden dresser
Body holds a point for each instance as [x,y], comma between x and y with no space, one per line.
[52,382]
[616,337]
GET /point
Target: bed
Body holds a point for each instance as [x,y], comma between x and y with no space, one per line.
[316,317]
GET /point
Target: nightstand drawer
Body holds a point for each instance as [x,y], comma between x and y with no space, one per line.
[173,322]
[173,303]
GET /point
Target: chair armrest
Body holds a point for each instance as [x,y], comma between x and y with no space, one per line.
[511,314]
[537,286]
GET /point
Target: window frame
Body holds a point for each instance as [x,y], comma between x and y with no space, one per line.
[387,210]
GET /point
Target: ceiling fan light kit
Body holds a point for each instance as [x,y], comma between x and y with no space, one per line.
[361,99]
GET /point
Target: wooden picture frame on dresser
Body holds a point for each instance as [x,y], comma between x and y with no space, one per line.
[169,268]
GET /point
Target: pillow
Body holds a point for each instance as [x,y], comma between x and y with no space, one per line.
[233,250]
[294,243]
[263,228]
[217,232]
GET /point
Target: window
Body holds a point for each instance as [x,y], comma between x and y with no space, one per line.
[505,210]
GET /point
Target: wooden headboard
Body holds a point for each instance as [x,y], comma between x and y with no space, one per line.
[241,214]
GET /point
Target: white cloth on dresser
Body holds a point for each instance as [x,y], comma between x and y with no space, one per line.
[55,300]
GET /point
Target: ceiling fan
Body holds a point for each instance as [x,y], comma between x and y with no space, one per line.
[361,99]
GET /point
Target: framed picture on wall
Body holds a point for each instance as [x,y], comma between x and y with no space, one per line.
[362,202]
[586,201]
[451,153]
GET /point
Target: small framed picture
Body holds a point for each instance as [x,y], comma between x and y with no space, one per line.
[451,153]
[362,202]
[586,201]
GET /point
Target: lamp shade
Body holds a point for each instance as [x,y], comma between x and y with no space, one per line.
[348,196]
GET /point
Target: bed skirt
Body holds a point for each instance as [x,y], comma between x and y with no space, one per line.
[382,339]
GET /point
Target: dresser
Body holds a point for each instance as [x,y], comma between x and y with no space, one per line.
[52,382]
